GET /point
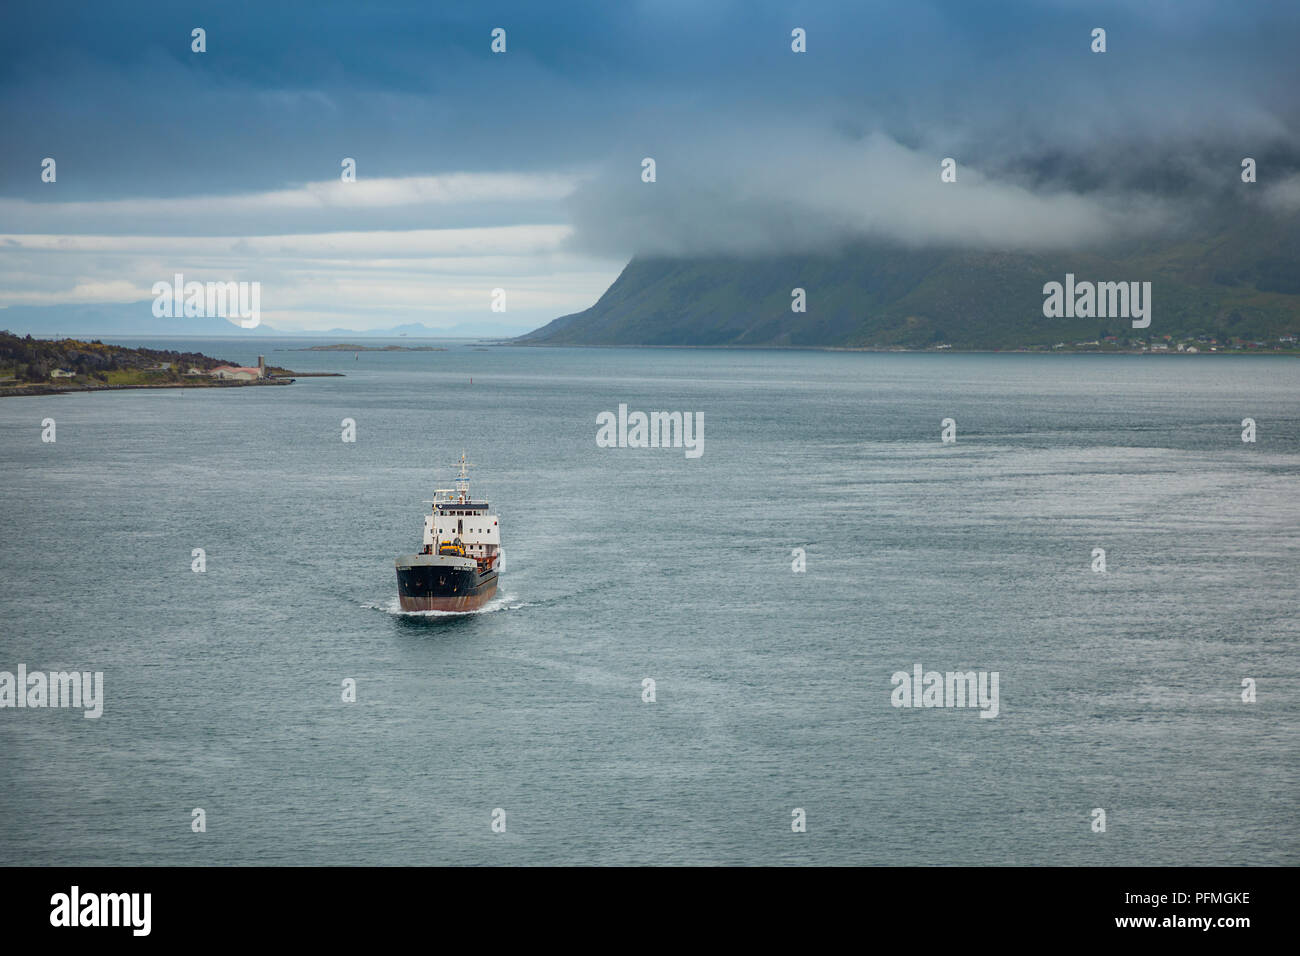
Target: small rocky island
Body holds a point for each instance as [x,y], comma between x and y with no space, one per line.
[30,366]
[344,347]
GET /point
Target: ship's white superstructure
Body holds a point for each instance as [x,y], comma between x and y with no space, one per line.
[457,516]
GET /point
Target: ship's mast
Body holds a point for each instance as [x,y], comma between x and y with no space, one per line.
[462,479]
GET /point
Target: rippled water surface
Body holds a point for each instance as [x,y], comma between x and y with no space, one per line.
[223,689]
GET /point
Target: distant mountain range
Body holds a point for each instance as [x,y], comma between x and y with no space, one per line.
[137,318]
[1241,280]
[1234,280]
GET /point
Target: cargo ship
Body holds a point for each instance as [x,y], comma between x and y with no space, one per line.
[459,562]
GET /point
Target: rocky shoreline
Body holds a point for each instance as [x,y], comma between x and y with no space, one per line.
[43,389]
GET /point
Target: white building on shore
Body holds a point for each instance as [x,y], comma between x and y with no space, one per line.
[240,373]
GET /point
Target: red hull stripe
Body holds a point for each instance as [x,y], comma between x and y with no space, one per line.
[468,602]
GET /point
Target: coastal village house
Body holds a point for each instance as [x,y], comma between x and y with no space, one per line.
[240,374]
[62,373]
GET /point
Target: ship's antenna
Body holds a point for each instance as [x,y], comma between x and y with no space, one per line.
[462,479]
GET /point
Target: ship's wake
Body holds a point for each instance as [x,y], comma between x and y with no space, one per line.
[503,602]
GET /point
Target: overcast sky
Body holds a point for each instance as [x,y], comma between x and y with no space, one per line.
[523,170]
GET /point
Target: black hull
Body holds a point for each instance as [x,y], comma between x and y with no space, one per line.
[435,588]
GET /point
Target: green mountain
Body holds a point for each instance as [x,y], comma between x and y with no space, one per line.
[1242,281]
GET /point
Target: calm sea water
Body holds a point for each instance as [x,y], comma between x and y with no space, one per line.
[223,689]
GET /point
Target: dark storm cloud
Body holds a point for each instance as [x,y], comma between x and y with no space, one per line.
[757,146]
